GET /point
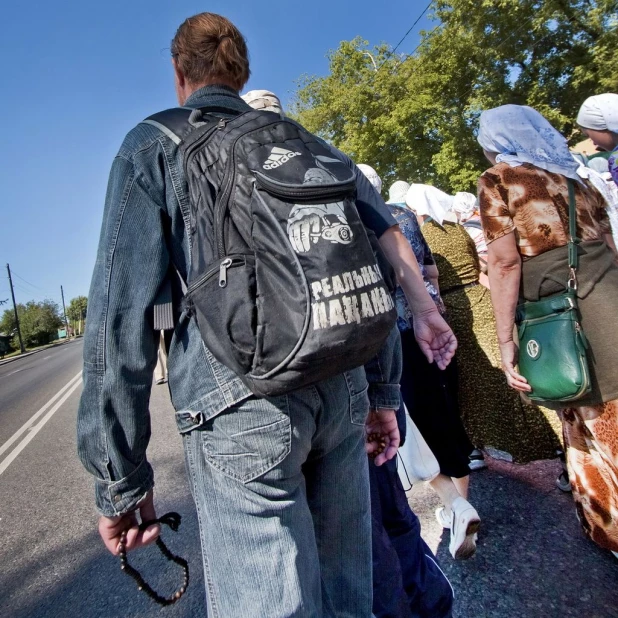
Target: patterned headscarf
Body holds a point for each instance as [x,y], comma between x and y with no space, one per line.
[397,192]
[426,200]
[372,176]
[599,113]
[519,134]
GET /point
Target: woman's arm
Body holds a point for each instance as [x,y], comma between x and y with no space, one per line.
[504,264]
[434,335]
[433,275]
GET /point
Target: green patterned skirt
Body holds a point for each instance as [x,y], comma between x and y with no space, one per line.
[494,415]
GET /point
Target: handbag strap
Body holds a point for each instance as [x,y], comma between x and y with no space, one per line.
[573,239]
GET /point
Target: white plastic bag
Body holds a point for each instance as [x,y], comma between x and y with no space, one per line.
[415,461]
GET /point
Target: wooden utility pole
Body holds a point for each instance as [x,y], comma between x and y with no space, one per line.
[66,322]
[21,343]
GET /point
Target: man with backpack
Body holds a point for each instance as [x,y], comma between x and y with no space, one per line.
[277,314]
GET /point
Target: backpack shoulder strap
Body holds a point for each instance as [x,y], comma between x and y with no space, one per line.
[174,122]
[178,122]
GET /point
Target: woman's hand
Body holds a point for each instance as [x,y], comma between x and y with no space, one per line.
[435,337]
[509,354]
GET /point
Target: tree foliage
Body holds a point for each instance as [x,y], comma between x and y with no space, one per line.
[415,117]
[39,323]
[77,308]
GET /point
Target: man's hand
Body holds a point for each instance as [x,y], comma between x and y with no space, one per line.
[383,422]
[110,528]
[509,354]
[435,338]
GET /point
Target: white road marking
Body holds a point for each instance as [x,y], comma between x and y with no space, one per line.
[14,372]
[33,418]
[22,445]
[46,357]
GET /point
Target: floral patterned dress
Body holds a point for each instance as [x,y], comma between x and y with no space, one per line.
[613,165]
[410,229]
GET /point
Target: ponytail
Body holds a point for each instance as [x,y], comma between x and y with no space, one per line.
[208,47]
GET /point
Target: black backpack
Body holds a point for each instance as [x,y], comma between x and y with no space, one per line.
[284,283]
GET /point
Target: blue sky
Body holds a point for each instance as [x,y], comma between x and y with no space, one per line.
[78,75]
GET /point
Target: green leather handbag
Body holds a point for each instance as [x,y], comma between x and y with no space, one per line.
[552,344]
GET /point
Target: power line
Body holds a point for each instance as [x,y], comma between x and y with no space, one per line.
[411,54]
[500,45]
[405,36]
[34,296]
[423,41]
[28,282]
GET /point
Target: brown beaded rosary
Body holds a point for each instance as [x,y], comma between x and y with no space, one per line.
[173,521]
[381,443]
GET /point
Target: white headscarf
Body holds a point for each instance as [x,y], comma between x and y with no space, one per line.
[264,100]
[599,113]
[397,192]
[372,176]
[426,200]
[464,205]
[519,134]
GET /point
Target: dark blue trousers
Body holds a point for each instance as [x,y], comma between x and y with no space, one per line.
[407,581]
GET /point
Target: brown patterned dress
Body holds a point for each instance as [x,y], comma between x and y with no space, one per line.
[533,204]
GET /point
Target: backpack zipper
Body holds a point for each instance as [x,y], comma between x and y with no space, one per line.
[221,270]
[308,193]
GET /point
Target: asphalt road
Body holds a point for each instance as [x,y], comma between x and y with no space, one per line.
[532,561]
[53,564]
[27,384]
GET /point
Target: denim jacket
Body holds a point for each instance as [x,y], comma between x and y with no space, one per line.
[145,228]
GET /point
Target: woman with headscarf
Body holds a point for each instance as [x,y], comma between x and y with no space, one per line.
[431,395]
[524,201]
[493,415]
[596,172]
[265,100]
[598,119]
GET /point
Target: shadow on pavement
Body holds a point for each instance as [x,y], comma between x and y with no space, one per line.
[92,585]
[533,560]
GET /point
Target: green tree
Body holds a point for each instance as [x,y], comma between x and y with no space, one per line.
[39,322]
[76,310]
[415,117]
[7,322]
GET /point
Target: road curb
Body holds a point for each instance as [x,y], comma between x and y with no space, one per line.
[6,361]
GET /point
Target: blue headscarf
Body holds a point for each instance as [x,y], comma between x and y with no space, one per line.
[519,134]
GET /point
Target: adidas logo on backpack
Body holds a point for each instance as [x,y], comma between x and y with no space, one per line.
[278,157]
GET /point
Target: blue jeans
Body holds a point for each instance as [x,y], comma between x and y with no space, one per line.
[282,494]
